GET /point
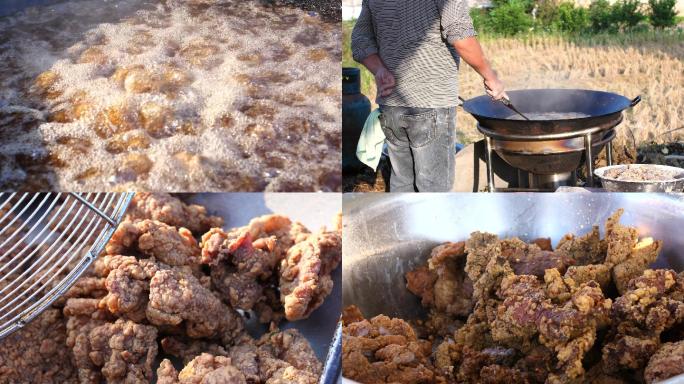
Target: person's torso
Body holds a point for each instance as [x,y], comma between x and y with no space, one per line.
[409,37]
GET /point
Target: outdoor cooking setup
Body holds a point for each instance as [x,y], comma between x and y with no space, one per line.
[567,128]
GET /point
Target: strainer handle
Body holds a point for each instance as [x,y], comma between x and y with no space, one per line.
[635,101]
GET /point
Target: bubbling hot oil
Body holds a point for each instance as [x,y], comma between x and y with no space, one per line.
[179,96]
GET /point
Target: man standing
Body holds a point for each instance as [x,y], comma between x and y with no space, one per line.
[413,48]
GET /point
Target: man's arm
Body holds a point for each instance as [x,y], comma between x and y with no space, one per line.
[471,52]
[458,30]
[365,51]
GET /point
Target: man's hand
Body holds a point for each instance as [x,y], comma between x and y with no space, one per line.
[495,88]
[384,79]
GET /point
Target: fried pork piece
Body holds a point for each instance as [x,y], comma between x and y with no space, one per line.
[176,297]
[275,232]
[653,304]
[583,250]
[479,248]
[291,347]
[207,368]
[38,353]
[240,269]
[128,284]
[125,351]
[305,279]
[626,255]
[383,350]
[172,211]
[527,316]
[188,349]
[529,259]
[155,239]
[667,362]
[453,289]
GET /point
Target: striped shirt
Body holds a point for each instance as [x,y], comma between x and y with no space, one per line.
[413,38]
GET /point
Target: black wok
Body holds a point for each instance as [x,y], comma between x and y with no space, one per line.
[602,108]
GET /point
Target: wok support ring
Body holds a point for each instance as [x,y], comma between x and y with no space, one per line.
[586,134]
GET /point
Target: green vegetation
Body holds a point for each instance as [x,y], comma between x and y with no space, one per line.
[663,13]
[515,17]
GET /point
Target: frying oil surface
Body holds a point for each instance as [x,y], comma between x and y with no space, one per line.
[178,96]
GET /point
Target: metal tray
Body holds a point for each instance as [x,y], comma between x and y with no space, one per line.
[387,235]
[613,185]
[314,210]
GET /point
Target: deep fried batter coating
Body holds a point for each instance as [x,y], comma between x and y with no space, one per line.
[644,253]
[653,304]
[172,211]
[621,240]
[568,329]
[420,282]
[275,232]
[305,279]
[529,259]
[128,285]
[453,289]
[238,268]
[667,362]
[292,375]
[478,248]
[167,373]
[155,239]
[38,352]
[125,351]
[188,349]
[177,297]
[580,274]
[583,250]
[293,348]
[384,350]
[207,368]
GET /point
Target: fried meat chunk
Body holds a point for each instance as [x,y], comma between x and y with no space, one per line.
[583,250]
[188,349]
[177,297]
[125,351]
[275,232]
[155,239]
[128,285]
[383,350]
[653,303]
[526,316]
[293,348]
[453,289]
[207,368]
[305,279]
[172,211]
[106,349]
[667,362]
[38,353]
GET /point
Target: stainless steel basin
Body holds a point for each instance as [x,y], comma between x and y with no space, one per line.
[387,235]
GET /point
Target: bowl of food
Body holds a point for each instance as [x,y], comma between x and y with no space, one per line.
[510,288]
[641,178]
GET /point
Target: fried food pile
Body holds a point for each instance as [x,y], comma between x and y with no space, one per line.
[507,311]
[163,292]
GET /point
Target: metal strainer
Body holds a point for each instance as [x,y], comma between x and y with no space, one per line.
[47,240]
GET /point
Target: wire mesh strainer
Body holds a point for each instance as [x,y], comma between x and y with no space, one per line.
[47,240]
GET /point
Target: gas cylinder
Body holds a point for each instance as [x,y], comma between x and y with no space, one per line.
[355,109]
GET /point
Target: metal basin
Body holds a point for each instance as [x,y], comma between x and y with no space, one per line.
[387,235]
[613,185]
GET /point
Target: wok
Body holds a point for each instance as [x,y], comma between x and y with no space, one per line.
[602,108]
[388,235]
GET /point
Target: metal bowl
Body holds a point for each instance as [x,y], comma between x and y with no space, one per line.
[388,235]
[614,185]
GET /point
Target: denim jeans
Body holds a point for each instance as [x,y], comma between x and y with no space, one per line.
[421,147]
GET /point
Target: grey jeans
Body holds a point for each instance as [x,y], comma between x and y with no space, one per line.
[421,147]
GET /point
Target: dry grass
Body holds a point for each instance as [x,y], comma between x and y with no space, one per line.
[653,69]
